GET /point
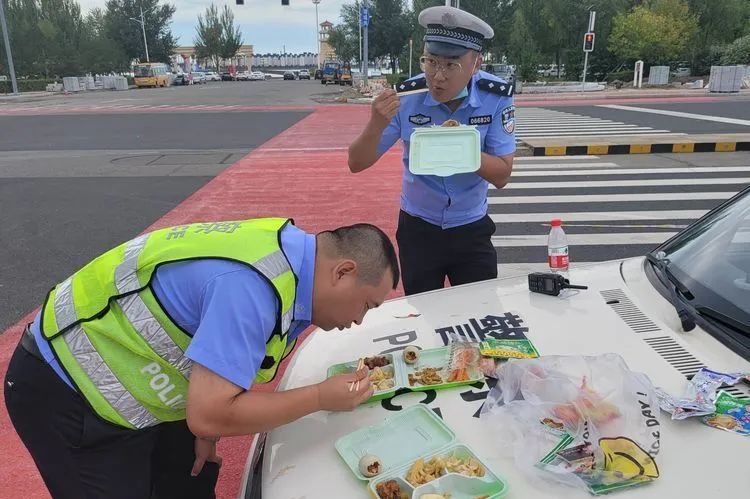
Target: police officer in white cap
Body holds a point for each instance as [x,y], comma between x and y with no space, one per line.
[444,230]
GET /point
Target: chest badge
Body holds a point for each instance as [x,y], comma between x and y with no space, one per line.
[419,119]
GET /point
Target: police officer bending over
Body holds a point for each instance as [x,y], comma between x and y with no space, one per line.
[142,358]
[443,227]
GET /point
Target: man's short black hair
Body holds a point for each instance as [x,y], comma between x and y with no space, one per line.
[370,247]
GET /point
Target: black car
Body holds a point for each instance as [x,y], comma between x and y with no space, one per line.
[288,75]
[304,75]
[318,74]
[227,76]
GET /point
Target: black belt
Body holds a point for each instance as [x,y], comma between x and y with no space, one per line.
[28,342]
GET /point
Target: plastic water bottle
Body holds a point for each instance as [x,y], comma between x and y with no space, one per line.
[557,248]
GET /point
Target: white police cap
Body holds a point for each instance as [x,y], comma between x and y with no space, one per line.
[452,31]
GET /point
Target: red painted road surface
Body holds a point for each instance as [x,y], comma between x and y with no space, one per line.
[301,173]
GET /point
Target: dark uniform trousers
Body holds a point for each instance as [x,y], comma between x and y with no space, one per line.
[428,253]
[81,456]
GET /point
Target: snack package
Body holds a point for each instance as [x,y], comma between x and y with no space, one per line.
[508,349]
[732,414]
[699,396]
[586,422]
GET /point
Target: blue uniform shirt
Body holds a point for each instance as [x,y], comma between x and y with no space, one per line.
[228,308]
[459,199]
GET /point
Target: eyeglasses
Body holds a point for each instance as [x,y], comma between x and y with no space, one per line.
[431,66]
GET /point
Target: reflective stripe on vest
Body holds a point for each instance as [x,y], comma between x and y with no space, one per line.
[148,328]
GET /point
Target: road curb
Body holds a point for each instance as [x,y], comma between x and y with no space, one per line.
[680,145]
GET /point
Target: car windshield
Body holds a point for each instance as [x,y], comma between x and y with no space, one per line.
[712,260]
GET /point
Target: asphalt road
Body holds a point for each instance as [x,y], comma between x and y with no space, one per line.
[265,93]
[73,186]
[732,108]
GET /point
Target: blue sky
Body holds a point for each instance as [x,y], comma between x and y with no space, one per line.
[265,24]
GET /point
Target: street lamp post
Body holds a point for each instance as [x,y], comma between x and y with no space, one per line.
[317,29]
[6,40]
[143,29]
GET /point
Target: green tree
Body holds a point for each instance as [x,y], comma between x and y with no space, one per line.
[231,36]
[656,33]
[720,22]
[99,53]
[522,49]
[344,43]
[208,37]
[389,29]
[127,33]
[738,52]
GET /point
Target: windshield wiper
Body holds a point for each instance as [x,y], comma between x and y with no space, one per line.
[661,267]
[725,320]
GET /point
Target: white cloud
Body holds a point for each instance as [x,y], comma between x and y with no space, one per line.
[266,24]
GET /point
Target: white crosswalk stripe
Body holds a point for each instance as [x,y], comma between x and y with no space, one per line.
[610,209]
[536,122]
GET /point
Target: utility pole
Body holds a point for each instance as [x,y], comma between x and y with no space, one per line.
[142,22]
[317,29]
[360,37]
[6,40]
[364,19]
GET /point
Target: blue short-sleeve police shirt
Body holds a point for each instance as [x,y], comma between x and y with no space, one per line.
[459,199]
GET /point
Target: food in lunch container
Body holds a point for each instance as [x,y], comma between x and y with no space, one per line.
[464,358]
[411,354]
[369,465]
[381,379]
[451,123]
[390,490]
[426,376]
[421,473]
[434,496]
[377,361]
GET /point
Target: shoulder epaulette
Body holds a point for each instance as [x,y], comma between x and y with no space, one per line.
[496,87]
[409,85]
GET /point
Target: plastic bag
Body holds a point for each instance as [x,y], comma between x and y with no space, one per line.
[587,422]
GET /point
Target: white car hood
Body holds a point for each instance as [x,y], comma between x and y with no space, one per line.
[695,461]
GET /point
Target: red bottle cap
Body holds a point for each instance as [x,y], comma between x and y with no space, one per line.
[556,222]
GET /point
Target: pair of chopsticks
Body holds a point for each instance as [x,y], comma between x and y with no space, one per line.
[410,92]
[353,386]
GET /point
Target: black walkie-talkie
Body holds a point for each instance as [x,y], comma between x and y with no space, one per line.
[550,284]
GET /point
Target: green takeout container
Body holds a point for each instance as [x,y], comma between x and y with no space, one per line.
[445,151]
[433,357]
[414,433]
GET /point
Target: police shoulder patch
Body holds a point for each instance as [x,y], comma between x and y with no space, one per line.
[414,84]
[496,87]
[508,116]
[419,119]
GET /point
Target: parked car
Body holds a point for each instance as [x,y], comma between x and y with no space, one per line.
[304,75]
[257,76]
[243,76]
[630,308]
[179,79]
[213,76]
[504,71]
[227,76]
[199,77]
[289,75]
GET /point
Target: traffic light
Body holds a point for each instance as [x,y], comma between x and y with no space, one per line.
[588,42]
[284,2]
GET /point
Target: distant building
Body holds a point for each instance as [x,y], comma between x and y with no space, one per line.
[305,59]
[326,51]
[184,59]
